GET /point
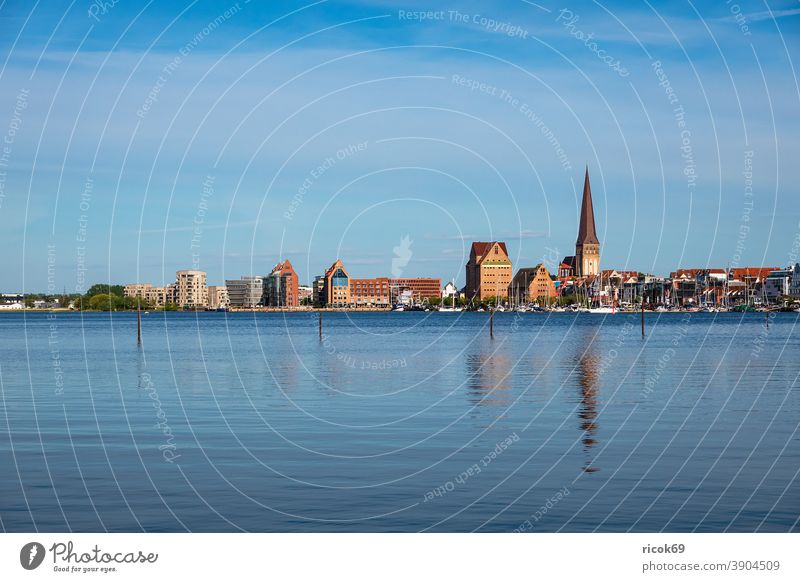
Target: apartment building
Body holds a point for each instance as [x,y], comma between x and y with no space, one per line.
[246,292]
[190,289]
[218,297]
[281,286]
[157,296]
[336,286]
[370,292]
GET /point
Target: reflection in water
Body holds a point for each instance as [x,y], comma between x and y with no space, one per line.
[588,368]
[487,378]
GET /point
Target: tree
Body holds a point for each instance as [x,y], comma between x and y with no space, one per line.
[105,289]
[101,302]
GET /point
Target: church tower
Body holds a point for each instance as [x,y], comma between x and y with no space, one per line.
[587,247]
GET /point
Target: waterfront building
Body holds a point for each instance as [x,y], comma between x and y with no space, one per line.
[305,293]
[280,286]
[190,289]
[753,279]
[684,286]
[488,271]
[567,269]
[532,284]
[318,291]
[137,290]
[778,284]
[794,288]
[370,292]
[218,297]
[586,261]
[336,286]
[450,290]
[156,296]
[421,287]
[246,292]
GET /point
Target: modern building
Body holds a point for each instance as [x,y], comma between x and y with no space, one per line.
[139,290]
[421,287]
[532,284]
[488,271]
[336,286]
[246,292]
[586,261]
[370,292]
[190,289]
[281,286]
[318,291]
[157,296]
[794,288]
[778,284]
[218,297]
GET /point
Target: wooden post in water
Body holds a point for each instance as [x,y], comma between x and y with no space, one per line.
[642,315]
[138,323]
[320,324]
[491,324]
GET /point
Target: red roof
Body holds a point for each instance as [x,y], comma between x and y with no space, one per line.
[481,248]
[752,272]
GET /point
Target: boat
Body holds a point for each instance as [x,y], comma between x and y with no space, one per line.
[600,310]
[398,308]
[452,308]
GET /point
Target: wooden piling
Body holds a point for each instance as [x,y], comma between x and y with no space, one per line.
[642,316]
[491,324]
[138,323]
[320,325]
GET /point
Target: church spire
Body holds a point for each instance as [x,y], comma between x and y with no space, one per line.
[586,231]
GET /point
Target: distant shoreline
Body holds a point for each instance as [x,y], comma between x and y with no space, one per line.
[364,310]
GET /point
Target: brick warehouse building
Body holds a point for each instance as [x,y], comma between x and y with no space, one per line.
[370,292]
[532,284]
[488,271]
[335,290]
[420,287]
[281,286]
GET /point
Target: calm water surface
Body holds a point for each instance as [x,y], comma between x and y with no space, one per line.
[399,422]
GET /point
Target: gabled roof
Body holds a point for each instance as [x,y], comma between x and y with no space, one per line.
[334,266]
[752,272]
[481,248]
[586,230]
[284,268]
[530,271]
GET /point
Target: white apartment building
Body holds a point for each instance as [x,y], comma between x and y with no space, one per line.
[218,297]
[190,289]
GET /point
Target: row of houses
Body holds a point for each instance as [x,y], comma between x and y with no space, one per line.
[280,288]
[336,288]
[489,278]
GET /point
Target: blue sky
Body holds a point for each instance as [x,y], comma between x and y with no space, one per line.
[143,138]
